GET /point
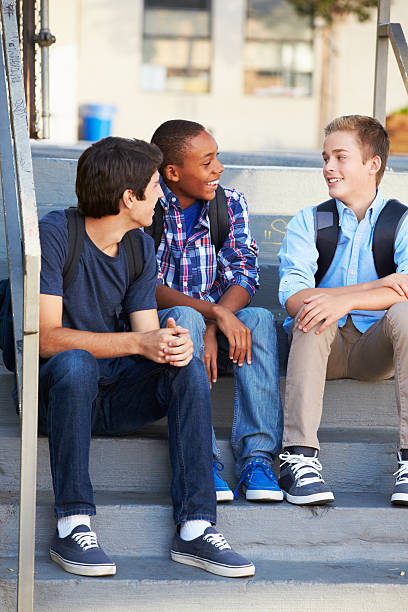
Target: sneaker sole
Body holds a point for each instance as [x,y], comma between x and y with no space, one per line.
[82,569]
[223,496]
[308,500]
[263,495]
[400,499]
[214,568]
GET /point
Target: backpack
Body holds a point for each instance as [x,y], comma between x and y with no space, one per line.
[76,235]
[217,213]
[385,231]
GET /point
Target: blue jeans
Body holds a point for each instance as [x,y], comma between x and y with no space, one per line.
[80,395]
[257,423]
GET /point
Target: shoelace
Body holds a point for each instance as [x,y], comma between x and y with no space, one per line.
[218,466]
[250,468]
[301,465]
[217,540]
[402,472]
[86,539]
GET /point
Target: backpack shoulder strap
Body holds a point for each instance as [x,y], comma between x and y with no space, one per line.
[134,255]
[385,231]
[327,235]
[155,230]
[76,235]
[219,219]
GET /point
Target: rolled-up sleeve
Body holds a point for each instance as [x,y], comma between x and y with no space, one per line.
[238,257]
[298,256]
[401,247]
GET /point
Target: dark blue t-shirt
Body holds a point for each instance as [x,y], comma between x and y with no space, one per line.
[191,216]
[101,284]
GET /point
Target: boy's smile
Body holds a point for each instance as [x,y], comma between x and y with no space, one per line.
[348,177]
[198,177]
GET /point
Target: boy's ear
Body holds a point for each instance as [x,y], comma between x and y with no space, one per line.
[128,198]
[171,173]
[375,164]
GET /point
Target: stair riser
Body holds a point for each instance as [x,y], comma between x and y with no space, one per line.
[260,531]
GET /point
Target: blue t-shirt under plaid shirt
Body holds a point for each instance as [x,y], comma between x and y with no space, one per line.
[190,264]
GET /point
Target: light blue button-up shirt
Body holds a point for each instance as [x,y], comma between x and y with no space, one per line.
[353,261]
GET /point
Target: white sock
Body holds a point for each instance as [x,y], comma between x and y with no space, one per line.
[190,530]
[67,523]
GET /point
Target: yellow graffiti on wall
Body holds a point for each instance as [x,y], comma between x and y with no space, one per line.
[278,226]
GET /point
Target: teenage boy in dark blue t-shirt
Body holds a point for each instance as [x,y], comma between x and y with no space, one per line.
[94,379]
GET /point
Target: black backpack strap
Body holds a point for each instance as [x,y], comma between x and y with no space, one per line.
[327,235]
[219,218]
[76,235]
[134,255]
[385,231]
[155,230]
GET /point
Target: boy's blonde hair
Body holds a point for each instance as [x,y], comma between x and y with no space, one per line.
[372,137]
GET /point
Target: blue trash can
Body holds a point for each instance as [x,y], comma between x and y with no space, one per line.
[96,121]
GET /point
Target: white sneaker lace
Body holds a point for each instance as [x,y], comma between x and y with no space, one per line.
[86,539]
[402,473]
[301,465]
[217,540]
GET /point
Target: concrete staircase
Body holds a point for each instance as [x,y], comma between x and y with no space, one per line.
[348,557]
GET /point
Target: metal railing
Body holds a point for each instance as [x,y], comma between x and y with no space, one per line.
[23,249]
[392,32]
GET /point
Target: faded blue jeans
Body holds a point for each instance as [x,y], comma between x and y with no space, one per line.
[80,395]
[257,423]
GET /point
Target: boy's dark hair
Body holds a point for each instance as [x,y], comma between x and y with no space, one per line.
[109,167]
[372,136]
[172,138]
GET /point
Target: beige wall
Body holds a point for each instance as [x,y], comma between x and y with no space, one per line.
[100,42]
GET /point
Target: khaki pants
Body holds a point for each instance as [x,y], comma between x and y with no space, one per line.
[343,353]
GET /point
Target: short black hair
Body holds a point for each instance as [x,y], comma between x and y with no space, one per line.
[109,167]
[172,138]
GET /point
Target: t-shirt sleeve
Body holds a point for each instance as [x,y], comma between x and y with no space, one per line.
[54,246]
[141,294]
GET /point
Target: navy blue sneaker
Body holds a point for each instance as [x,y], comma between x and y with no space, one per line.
[222,490]
[300,478]
[400,493]
[79,553]
[259,482]
[212,553]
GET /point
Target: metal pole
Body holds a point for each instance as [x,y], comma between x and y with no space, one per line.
[45,39]
[381,62]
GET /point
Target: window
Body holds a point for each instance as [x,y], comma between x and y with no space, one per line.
[176,46]
[278,50]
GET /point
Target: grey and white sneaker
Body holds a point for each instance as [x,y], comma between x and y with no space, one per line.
[400,493]
[80,553]
[212,553]
[300,478]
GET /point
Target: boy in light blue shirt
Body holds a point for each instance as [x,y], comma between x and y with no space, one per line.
[348,321]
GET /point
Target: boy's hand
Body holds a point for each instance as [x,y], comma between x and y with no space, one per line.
[211,352]
[171,345]
[322,307]
[396,281]
[238,335]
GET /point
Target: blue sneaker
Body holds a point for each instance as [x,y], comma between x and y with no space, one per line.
[259,482]
[212,553]
[79,553]
[222,490]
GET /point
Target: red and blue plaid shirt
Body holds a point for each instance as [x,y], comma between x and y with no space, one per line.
[192,266]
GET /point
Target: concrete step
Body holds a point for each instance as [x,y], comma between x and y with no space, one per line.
[356,526]
[354,459]
[346,402]
[278,586]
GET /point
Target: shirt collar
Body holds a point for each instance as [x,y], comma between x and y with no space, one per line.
[373,210]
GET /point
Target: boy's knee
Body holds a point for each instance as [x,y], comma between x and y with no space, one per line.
[257,318]
[187,317]
[397,316]
[74,367]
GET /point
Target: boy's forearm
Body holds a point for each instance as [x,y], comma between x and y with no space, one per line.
[169,298]
[296,301]
[100,345]
[380,298]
